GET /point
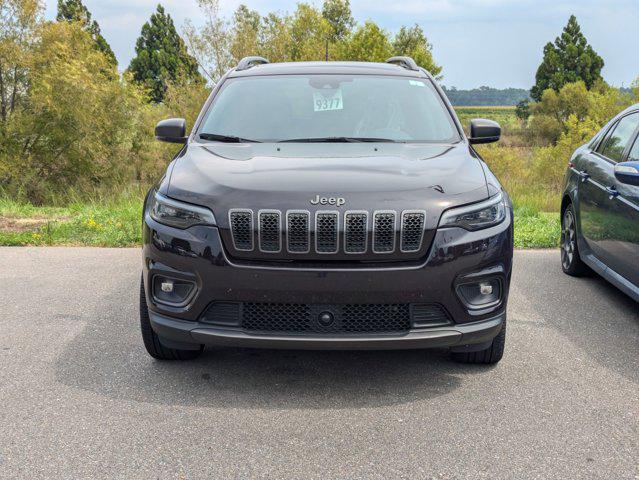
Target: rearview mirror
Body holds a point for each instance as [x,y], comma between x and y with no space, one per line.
[484,131]
[172,130]
[627,172]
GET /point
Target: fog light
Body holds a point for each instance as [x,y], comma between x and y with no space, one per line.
[485,289]
[172,291]
[480,294]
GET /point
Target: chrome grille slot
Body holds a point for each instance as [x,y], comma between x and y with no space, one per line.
[355,232]
[412,232]
[326,232]
[241,222]
[298,232]
[384,232]
[270,231]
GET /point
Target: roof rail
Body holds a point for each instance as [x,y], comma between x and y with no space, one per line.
[406,62]
[248,62]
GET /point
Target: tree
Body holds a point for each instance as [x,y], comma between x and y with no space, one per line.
[74,129]
[75,11]
[245,34]
[549,116]
[210,44]
[570,59]
[340,19]
[308,33]
[412,42]
[161,57]
[19,20]
[522,110]
[368,43]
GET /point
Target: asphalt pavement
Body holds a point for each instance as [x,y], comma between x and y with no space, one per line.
[80,398]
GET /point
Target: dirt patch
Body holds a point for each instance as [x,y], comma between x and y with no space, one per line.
[19,225]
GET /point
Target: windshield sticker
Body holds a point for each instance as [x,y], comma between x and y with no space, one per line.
[324,101]
[417,83]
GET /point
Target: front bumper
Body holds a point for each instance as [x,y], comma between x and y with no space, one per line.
[180,334]
[455,255]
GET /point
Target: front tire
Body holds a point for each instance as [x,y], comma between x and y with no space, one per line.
[489,356]
[151,340]
[571,262]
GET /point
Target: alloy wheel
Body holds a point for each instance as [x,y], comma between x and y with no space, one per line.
[568,239]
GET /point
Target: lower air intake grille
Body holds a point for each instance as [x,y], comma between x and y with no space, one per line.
[299,318]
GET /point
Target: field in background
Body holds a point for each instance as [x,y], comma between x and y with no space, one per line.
[115,222]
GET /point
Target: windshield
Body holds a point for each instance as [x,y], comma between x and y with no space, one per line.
[328,108]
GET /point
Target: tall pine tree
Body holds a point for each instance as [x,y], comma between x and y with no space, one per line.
[161,56]
[568,60]
[75,11]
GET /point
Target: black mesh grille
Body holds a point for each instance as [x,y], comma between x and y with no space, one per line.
[270,232]
[412,231]
[384,232]
[355,232]
[242,229]
[297,232]
[309,318]
[326,231]
[351,318]
[375,318]
[276,317]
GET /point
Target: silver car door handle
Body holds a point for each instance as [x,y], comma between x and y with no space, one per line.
[612,191]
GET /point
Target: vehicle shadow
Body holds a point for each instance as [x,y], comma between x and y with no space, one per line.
[107,358]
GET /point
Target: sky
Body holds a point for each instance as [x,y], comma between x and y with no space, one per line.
[498,43]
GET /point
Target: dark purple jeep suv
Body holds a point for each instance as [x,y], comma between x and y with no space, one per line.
[327,206]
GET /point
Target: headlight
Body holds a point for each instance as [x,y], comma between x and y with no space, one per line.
[179,215]
[475,217]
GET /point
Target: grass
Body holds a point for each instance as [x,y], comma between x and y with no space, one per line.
[101,224]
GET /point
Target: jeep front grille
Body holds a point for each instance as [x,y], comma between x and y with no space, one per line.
[300,231]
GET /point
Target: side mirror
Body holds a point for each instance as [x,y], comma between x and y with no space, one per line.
[627,172]
[172,130]
[484,131]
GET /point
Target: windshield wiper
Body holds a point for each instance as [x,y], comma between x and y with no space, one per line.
[226,138]
[339,140]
